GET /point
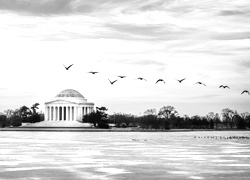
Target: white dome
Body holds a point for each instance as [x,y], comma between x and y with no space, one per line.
[69,93]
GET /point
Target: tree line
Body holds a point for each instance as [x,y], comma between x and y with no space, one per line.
[24,114]
[168,118]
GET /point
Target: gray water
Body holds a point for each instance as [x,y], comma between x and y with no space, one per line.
[124,155]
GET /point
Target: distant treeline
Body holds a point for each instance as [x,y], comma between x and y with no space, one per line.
[24,114]
[168,118]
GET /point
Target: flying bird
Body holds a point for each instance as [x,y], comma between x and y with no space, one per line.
[180,81]
[91,72]
[140,78]
[122,76]
[222,86]
[160,80]
[201,83]
[112,82]
[67,68]
[245,91]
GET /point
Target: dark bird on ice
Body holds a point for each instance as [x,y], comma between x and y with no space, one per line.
[122,76]
[180,81]
[91,72]
[112,82]
[67,68]
[245,91]
[160,80]
[224,86]
[201,83]
[140,78]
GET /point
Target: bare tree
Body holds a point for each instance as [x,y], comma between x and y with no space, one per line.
[217,120]
[169,114]
[244,115]
[9,113]
[210,118]
[227,115]
[150,112]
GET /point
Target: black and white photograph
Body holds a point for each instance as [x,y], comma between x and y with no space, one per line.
[117,90]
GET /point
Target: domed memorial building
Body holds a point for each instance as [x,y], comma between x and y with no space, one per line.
[68,105]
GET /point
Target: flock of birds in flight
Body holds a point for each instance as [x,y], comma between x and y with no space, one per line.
[159,80]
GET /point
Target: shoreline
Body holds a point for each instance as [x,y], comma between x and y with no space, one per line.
[77,129]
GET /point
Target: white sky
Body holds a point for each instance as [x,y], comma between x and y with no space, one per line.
[201,40]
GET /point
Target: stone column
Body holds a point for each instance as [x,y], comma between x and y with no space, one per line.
[69,112]
[75,113]
[62,113]
[72,113]
[56,113]
[79,112]
[45,113]
[57,117]
[68,109]
[48,113]
[51,113]
[66,113]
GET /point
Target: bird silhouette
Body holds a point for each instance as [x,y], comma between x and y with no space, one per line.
[140,78]
[112,82]
[67,68]
[122,76]
[160,80]
[180,81]
[224,86]
[91,72]
[245,91]
[201,83]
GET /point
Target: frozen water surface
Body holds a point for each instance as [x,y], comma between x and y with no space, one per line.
[124,155]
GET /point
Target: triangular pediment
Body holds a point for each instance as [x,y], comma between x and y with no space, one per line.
[61,102]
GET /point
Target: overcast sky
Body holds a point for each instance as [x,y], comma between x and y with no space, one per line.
[201,40]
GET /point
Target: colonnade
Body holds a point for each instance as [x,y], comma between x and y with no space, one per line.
[66,113]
